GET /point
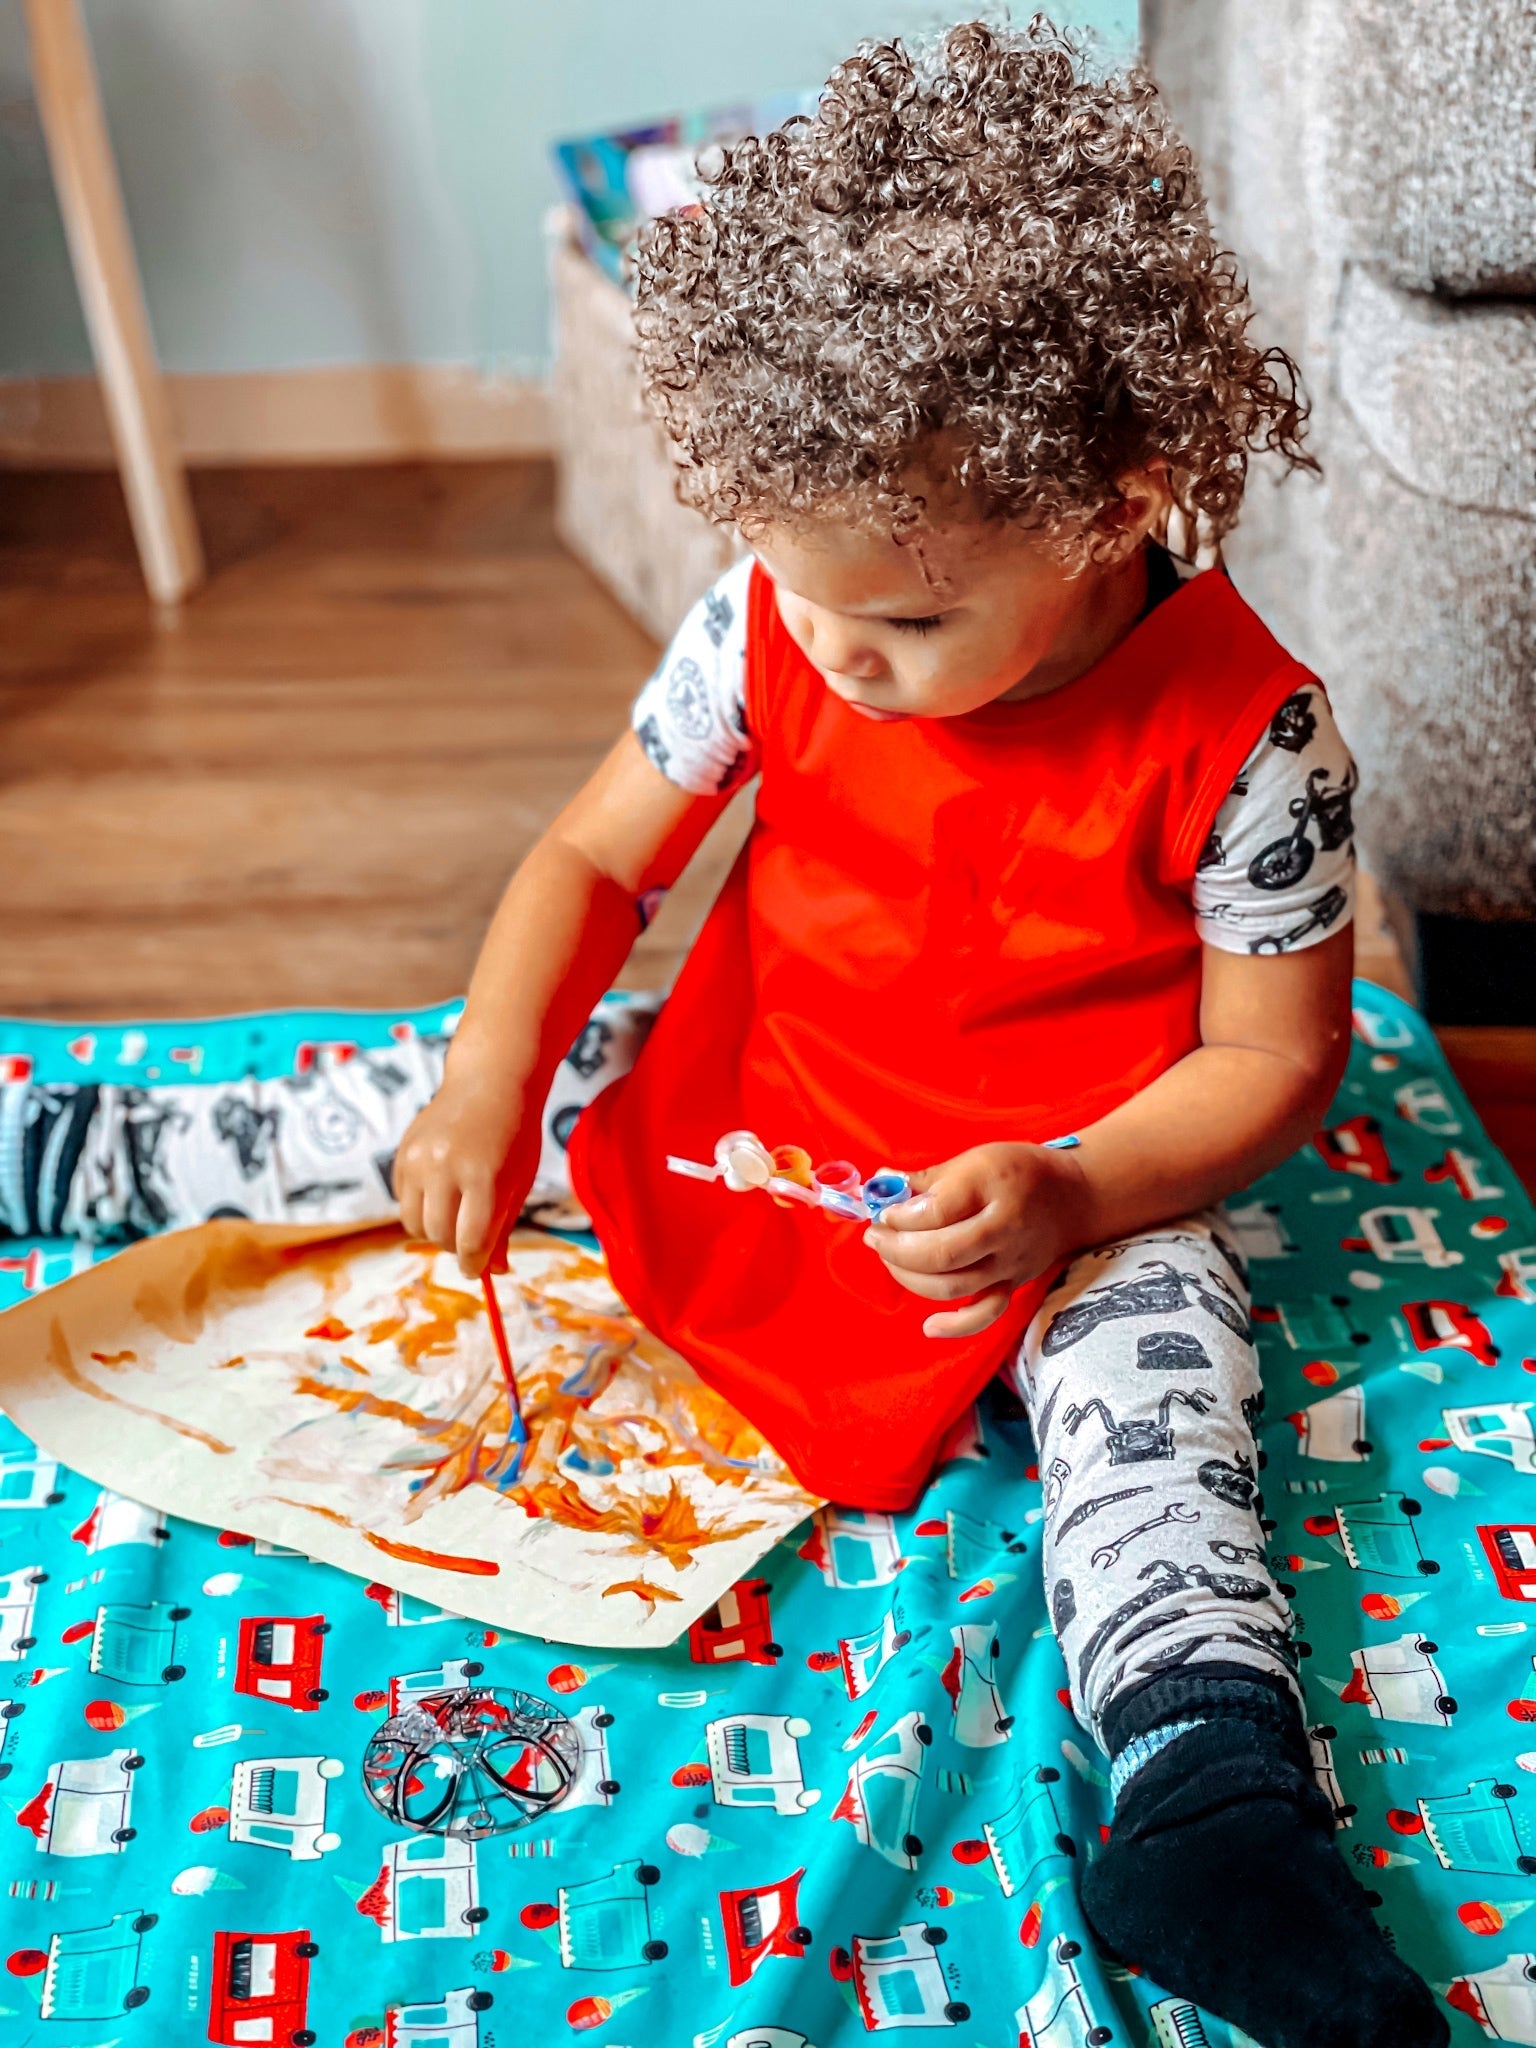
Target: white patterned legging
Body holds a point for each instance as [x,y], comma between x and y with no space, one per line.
[1139,1371]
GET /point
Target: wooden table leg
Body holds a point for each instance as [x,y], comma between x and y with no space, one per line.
[91,201]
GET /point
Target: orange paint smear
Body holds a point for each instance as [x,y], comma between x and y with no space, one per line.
[408,1553]
[332,1329]
[359,1401]
[229,1364]
[234,1266]
[669,1525]
[61,1361]
[113,1358]
[642,1590]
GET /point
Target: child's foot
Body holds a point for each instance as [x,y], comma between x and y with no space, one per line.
[1221,1880]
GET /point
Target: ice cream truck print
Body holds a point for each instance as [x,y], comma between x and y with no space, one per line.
[605,1923]
[1314,1323]
[880,1797]
[760,1921]
[1511,1549]
[980,1719]
[1481,1829]
[1379,1535]
[1382,1031]
[1059,2016]
[454,1676]
[1404,1236]
[1356,1146]
[1517,1274]
[1028,1833]
[1178,2024]
[11,1711]
[1333,1429]
[83,1808]
[1502,2000]
[1399,1681]
[404,1610]
[898,1980]
[18,1598]
[1320,1741]
[1423,1103]
[278,1802]
[864,1657]
[1499,1429]
[27,1481]
[260,1989]
[114,1520]
[738,1629]
[770,2037]
[754,1760]
[426,1891]
[1432,1324]
[93,1972]
[853,1547]
[279,1659]
[137,1645]
[592,1782]
[1260,1230]
[449,2022]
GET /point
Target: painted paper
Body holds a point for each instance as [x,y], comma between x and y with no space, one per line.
[340,1395]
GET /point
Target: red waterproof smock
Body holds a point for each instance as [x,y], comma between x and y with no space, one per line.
[941,932]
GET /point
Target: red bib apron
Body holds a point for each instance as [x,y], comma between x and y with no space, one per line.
[941,932]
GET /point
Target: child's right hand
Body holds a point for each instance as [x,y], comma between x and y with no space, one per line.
[464,1169]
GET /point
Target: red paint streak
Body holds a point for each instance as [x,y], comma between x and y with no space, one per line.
[442,1560]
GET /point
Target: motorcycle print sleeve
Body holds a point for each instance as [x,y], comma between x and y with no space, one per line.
[1278,870]
[691,717]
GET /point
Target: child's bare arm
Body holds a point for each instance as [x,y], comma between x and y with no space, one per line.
[563,929]
[1276,1041]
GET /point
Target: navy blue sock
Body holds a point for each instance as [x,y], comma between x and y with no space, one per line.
[1220,1878]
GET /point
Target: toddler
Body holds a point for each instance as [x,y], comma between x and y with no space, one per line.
[1046,902]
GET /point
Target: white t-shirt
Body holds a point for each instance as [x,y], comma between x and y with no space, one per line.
[1277,872]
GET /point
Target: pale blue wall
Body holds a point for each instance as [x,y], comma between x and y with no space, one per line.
[330,181]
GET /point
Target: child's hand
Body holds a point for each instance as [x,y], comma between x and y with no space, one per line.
[464,1168]
[980,1224]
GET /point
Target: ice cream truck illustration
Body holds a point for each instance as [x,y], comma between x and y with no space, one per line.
[1320,1741]
[864,1657]
[93,1972]
[278,1802]
[83,1808]
[1333,1429]
[1502,2000]
[1433,1324]
[1511,1550]
[453,1676]
[1178,2024]
[11,1711]
[1383,1032]
[591,1782]
[738,1629]
[898,1980]
[260,1988]
[970,1678]
[1401,1235]
[404,1610]
[426,1891]
[18,1598]
[1260,1230]
[853,1547]
[1422,1102]
[1028,1833]
[137,1645]
[880,1797]
[279,1659]
[1379,1535]
[27,1481]
[605,1922]
[1464,1172]
[1315,1323]
[1517,1274]
[114,1520]
[1059,2015]
[452,2021]
[1495,1429]
[770,2037]
[1356,1146]
[762,1920]
[1481,1829]
[1399,1681]
[754,1760]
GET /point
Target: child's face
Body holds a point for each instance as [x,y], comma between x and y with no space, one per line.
[998,613]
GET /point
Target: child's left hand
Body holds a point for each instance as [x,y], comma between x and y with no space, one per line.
[981,1224]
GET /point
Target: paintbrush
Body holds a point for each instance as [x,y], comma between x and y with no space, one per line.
[517,1433]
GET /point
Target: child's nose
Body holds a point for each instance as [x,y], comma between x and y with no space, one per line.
[839,650]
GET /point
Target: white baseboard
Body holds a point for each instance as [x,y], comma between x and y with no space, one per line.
[363,412]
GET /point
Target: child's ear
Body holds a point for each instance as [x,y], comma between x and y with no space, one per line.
[1141,508]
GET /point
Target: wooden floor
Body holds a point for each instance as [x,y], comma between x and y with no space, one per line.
[310,786]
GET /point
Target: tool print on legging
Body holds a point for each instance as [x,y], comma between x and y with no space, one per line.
[1086,1510]
[1235,1553]
[1175,1579]
[249,1132]
[1284,862]
[1055,1478]
[1140,1439]
[1322,913]
[1109,1553]
[1165,1291]
[1236,1484]
[1171,1351]
[1042,1422]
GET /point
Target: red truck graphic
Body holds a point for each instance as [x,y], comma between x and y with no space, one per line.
[260,1989]
[279,1659]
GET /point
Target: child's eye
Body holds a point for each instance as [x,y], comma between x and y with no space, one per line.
[918,625]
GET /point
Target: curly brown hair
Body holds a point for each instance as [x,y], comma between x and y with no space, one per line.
[985,241]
